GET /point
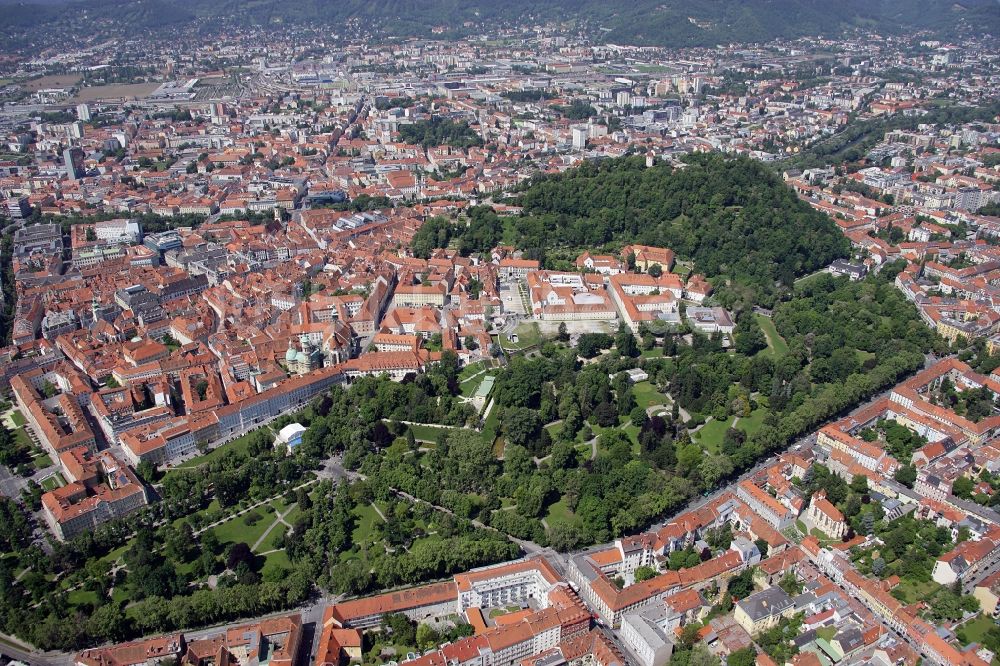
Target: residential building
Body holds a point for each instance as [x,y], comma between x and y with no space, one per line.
[763,610]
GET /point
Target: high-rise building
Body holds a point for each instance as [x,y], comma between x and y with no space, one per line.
[73,159]
[83,112]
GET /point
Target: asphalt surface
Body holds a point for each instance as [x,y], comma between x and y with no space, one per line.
[10,483]
[14,649]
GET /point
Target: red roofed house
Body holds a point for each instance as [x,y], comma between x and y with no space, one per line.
[776,514]
[646,256]
[149,651]
[968,558]
[336,642]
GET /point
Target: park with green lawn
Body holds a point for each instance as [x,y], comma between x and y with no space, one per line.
[776,345]
[712,433]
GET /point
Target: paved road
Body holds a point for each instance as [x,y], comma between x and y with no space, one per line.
[15,649]
[333,469]
[970,585]
[312,613]
[11,484]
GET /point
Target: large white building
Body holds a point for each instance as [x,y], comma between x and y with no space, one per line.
[118,231]
[506,584]
[968,560]
[650,630]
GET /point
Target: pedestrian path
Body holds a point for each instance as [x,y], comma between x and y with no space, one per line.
[278,519]
[249,508]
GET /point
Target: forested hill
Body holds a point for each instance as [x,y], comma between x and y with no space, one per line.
[732,216]
[641,22]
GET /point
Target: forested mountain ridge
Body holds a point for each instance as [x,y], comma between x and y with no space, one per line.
[645,22]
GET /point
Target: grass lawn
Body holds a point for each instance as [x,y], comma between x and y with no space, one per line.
[826,633]
[280,505]
[976,628]
[752,423]
[626,426]
[131,612]
[470,370]
[824,540]
[399,652]
[647,395]
[80,597]
[22,439]
[235,530]
[269,543]
[212,507]
[914,591]
[113,556]
[18,418]
[364,533]
[53,482]
[710,435]
[41,462]
[528,334]
[776,345]
[469,386]
[278,560]
[499,445]
[491,427]
[560,513]
[185,568]
[864,355]
[429,433]
[293,515]
[632,431]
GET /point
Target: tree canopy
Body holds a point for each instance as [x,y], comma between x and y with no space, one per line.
[439,131]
